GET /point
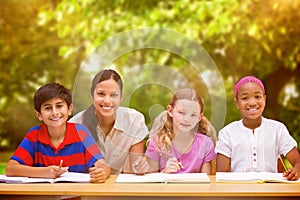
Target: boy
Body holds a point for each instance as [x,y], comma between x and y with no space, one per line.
[57,146]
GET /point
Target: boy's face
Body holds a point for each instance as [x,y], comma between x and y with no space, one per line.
[54,112]
[250,101]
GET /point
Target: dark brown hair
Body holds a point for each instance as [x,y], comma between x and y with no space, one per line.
[106,75]
[50,91]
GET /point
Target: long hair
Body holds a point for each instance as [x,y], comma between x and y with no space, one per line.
[165,133]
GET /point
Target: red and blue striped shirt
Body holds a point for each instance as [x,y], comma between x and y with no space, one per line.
[78,151]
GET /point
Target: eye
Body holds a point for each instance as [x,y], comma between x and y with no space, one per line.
[60,105]
[100,94]
[258,96]
[244,98]
[114,95]
[47,108]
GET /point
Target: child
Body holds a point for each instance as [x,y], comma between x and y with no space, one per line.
[55,147]
[119,131]
[254,143]
[178,147]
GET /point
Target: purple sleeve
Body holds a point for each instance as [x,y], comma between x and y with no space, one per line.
[210,153]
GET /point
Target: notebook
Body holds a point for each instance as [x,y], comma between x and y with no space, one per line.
[66,177]
[163,178]
[251,177]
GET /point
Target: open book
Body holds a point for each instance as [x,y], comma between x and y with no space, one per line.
[254,177]
[66,177]
[163,178]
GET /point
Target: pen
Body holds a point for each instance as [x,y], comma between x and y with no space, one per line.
[60,163]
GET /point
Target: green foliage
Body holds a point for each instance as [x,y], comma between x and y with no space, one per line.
[44,41]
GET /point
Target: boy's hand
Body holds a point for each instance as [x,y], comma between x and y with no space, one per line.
[291,174]
[140,166]
[97,175]
[55,171]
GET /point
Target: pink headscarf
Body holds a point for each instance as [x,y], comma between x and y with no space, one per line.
[245,80]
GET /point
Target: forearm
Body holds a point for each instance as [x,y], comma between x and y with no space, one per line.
[14,168]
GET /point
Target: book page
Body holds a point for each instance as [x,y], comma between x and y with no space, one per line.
[163,178]
[252,177]
[74,177]
[188,178]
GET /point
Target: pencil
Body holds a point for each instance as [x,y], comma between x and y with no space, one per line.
[60,163]
[180,165]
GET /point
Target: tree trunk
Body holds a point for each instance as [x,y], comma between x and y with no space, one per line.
[274,83]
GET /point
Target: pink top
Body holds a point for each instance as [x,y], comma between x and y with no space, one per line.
[202,151]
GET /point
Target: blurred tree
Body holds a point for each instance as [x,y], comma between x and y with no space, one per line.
[243,37]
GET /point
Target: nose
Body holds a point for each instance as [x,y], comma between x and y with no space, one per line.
[55,111]
[252,101]
[107,98]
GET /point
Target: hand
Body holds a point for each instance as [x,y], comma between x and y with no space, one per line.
[140,166]
[97,175]
[291,174]
[172,166]
[55,171]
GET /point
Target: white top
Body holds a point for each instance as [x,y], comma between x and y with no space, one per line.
[256,151]
[129,129]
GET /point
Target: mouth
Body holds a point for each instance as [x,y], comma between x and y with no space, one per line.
[56,119]
[106,108]
[252,109]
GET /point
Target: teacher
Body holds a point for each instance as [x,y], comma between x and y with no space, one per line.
[118,131]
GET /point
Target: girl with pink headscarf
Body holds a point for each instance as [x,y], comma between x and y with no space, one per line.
[254,143]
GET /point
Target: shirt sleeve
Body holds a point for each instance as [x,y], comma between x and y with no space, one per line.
[285,140]
[92,151]
[210,153]
[223,144]
[24,153]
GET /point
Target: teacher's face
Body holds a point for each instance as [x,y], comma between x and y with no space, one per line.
[107,98]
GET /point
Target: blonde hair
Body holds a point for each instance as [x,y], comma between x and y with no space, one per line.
[162,128]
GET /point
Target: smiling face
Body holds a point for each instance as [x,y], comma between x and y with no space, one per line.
[54,112]
[186,114]
[107,98]
[251,101]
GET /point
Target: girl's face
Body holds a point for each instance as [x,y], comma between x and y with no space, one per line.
[54,112]
[250,101]
[107,98]
[186,114]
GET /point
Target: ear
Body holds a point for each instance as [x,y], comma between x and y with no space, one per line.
[70,109]
[236,102]
[38,115]
[170,110]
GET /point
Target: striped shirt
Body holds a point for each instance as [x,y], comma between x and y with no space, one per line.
[78,151]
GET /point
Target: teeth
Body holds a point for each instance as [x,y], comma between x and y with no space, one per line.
[252,109]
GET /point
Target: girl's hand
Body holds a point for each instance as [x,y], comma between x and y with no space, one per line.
[140,166]
[97,175]
[172,166]
[291,174]
[55,171]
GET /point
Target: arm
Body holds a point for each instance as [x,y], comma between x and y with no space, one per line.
[136,151]
[206,168]
[223,163]
[294,158]
[100,172]
[14,168]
